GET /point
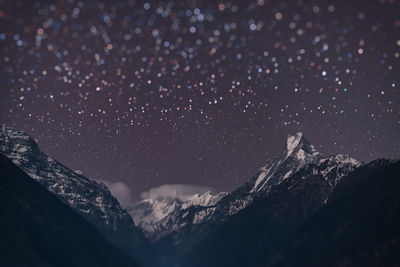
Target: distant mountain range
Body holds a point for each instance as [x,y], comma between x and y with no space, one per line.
[163,215]
[301,209]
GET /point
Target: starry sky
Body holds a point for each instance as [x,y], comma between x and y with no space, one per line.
[199,92]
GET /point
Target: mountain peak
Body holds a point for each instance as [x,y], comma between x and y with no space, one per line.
[293,141]
[23,151]
[298,153]
[298,143]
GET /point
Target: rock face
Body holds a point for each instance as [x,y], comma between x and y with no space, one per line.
[39,230]
[90,199]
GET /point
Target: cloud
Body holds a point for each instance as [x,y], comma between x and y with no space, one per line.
[121,192]
[181,191]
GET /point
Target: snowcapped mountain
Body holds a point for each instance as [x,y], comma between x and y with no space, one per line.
[90,199]
[163,215]
[284,193]
[171,220]
[297,154]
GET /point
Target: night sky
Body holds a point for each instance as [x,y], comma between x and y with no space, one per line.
[199,92]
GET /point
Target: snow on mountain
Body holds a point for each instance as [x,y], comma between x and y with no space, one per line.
[297,154]
[150,211]
[91,199]
[158,217]
[204,200]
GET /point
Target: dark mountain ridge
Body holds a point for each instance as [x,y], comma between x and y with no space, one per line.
[359,226]
[37,229]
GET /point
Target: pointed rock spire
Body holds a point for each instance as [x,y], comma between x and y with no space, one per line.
[299,146]
[293,141]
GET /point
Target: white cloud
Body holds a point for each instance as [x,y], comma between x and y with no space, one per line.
[121,192]
[181,191]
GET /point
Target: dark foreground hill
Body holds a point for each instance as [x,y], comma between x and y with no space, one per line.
[37,229]
[360,226]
